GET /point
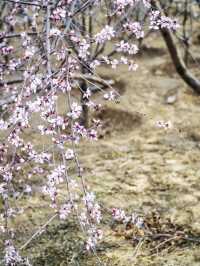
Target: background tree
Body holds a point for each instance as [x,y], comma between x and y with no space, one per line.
[185,38]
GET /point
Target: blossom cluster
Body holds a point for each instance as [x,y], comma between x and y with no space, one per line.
[119,215]
[127,48]
[93,209]
[48,62]
[12,256]
[164,124]
[106,34]
[135,28]
[121,5]
[158,21]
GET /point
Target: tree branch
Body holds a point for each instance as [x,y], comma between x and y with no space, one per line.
[24,3]
[179,64]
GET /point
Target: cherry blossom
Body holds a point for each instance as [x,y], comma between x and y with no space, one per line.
[48,55]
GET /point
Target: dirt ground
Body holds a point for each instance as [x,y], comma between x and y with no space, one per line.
[138,167]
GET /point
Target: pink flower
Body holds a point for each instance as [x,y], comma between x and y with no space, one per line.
[65,210]
[106,34]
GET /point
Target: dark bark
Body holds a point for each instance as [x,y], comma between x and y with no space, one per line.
[179,64]
[85,110]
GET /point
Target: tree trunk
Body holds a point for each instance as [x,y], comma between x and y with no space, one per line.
[179,64]
[85,109]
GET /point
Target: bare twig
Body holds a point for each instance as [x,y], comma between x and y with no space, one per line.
[24,3]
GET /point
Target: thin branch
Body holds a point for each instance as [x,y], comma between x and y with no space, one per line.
[24,3]
[16,35]
[38,232]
